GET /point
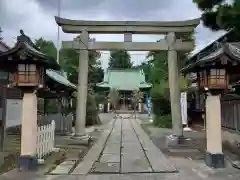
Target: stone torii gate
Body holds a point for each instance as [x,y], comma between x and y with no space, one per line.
[171,43]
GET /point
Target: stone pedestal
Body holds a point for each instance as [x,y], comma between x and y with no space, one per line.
[173,141]
[214,156]
[28,160]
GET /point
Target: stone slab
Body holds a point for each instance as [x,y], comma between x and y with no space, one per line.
[93,154]
[131,163]
[103,167]
[183,150]
[132,150]
[157,159]
[130,145]
[63,168]
[110,158]
[67,162]
[112,149]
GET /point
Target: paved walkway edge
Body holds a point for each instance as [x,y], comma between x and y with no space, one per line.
[94,153]
[156,158]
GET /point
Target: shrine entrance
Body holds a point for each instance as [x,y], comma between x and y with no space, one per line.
[173,42]
[125,101]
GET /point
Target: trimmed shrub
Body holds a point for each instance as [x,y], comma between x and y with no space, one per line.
[164,121]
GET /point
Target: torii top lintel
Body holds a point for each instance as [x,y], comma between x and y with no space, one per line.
[120,27]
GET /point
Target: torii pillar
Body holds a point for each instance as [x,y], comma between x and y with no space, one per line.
[82,90]
[174,86]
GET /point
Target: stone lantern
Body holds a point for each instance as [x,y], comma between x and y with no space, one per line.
[214,71]
[27,67]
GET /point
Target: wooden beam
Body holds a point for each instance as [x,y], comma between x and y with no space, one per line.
[130,46]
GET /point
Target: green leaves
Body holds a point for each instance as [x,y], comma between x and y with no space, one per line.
[207,4]
[47,47]
[136,95]
[119,59]
[219,14]
[114,97]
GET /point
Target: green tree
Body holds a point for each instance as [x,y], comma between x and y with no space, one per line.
[47,47]
[156,71]
[220,14]
[69,61]
[137,95]
[120,59]
[114,98]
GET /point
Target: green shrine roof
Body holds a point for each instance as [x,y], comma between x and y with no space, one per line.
[124,79]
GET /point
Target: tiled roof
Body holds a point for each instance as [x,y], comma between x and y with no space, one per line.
[230,49]
[57,76]
[124,79]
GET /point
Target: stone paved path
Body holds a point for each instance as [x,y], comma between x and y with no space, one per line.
[127,149]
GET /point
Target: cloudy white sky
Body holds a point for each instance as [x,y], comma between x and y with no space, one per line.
[36,18]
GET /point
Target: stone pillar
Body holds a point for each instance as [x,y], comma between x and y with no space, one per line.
[214,155]
[174,85]
[82,90]
[27,158]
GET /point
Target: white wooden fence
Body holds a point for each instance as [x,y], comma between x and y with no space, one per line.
[45,140]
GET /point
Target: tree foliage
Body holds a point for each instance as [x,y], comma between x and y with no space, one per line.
[47,47]
[220,14]
[114,97]
[69,61]
[156,72]
[137,95]
[120,59]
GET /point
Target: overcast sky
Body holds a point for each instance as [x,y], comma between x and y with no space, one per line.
[36,18]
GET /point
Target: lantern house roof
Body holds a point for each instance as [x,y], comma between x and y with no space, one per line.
[25,46]
[58,77]
[232,50]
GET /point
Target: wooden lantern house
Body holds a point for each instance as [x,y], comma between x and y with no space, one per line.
[25,64]
[217,70]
